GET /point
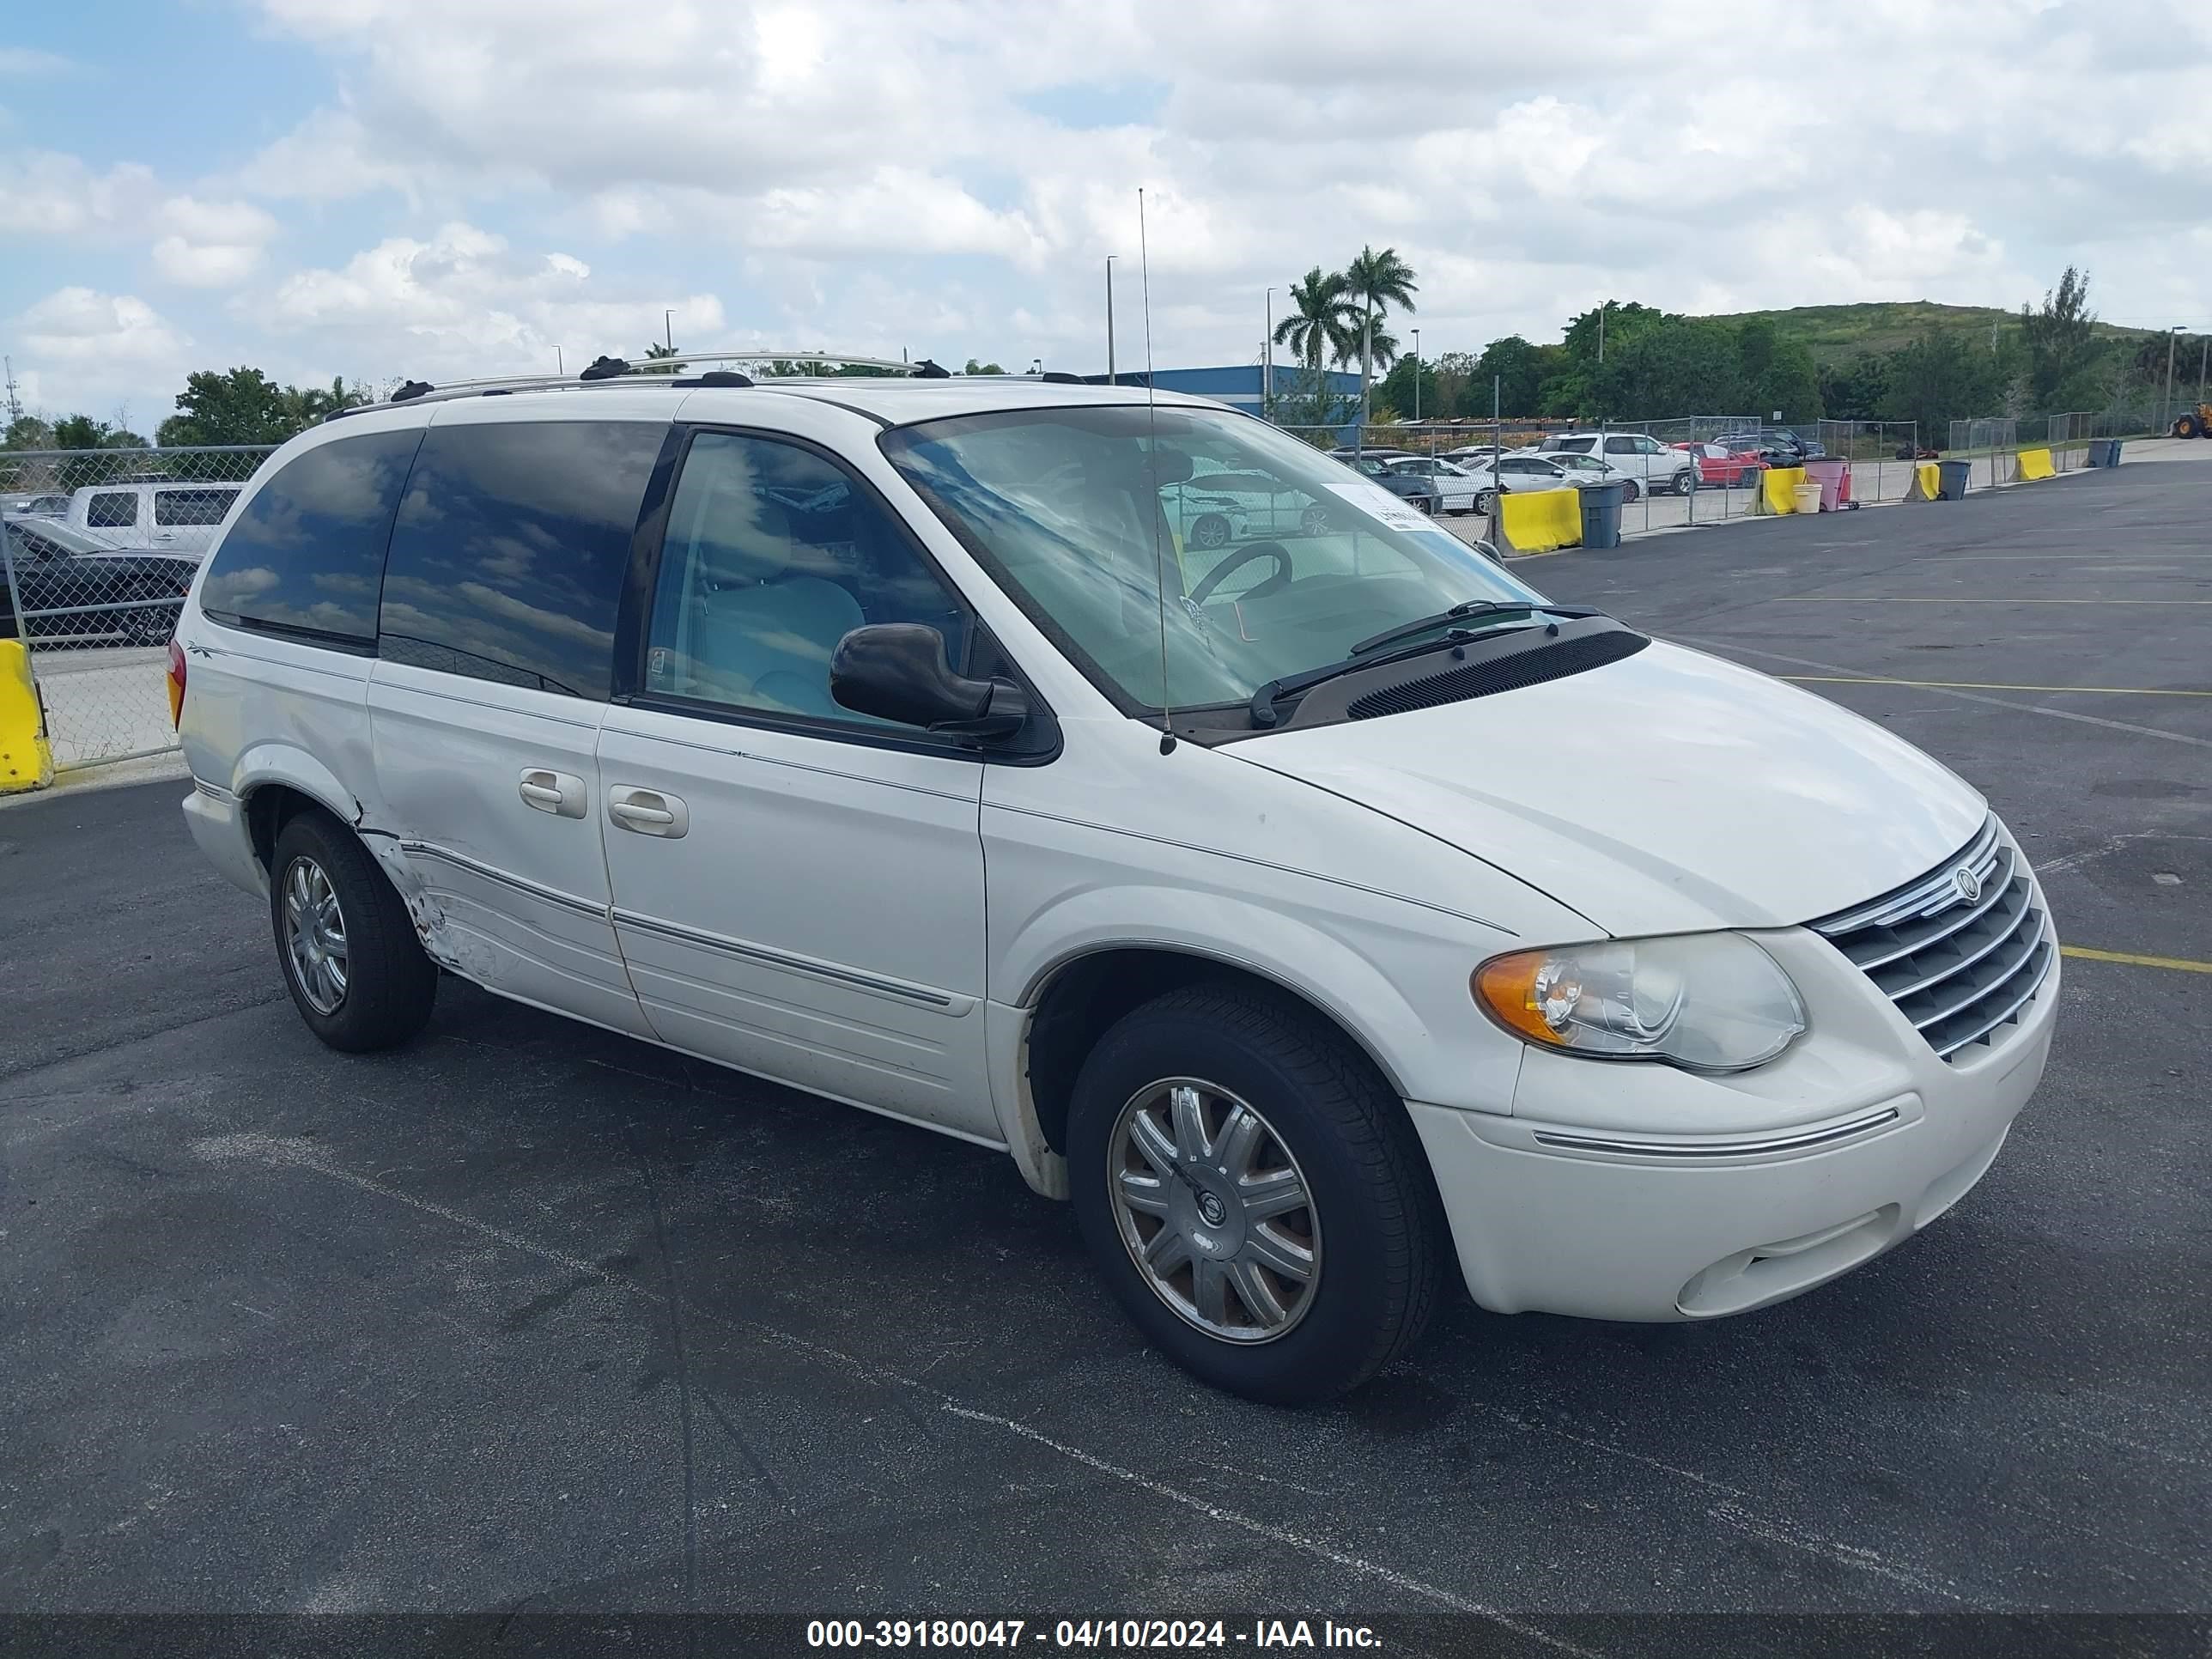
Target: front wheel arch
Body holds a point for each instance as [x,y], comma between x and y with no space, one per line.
[1083,999]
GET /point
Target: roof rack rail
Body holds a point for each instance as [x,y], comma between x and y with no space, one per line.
[657,371]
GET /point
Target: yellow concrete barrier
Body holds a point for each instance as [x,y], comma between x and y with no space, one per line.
[1778,492]
[1541,520]
[26,760]
[1927,482]
[2036,463]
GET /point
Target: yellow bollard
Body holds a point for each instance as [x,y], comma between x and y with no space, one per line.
[27,760]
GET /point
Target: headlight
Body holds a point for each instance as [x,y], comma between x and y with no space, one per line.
[1709,1002]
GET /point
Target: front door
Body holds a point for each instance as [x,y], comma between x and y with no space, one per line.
[798,889]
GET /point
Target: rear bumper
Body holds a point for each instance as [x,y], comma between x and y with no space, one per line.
[219,829]
[1554,1219]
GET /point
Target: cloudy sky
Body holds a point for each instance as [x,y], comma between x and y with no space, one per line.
[433,187]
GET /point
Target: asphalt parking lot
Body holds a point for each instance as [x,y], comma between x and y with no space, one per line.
[529,1317]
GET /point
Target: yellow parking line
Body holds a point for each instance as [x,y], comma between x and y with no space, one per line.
[2181,964]
[1985,685]
[1938,598]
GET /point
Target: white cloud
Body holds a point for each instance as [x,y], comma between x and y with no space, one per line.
[462,301]
[211,243]
[79,326]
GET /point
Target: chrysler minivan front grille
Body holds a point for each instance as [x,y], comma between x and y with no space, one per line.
[1961,951]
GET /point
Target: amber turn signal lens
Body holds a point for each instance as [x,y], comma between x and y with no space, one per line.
[1506,986]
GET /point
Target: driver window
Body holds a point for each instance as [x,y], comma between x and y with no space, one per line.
[772,555]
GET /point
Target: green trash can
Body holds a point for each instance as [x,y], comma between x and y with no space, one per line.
[1602,504]
[1952,475]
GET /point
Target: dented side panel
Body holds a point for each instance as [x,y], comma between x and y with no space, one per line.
[503,891]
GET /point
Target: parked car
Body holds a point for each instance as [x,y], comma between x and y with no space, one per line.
[1415,490]
[1518,470]
[1245,504]
[1456,488]
[1651,465]
[91,593]
[1582,470]
[1719,465]
[1311,915]
[35,507]
[165,515]
[1780,447]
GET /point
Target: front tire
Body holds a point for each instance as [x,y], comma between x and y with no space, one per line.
[1685,483]
[355,970]
[1254,1194]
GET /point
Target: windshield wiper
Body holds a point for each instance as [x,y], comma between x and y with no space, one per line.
[1422,625]
[1262,706]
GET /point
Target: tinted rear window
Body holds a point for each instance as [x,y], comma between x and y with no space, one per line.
[112,509]
[1573,445]
[192,506]
[509,555]
[306,553]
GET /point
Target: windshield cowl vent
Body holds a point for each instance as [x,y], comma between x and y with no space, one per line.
[1550,661]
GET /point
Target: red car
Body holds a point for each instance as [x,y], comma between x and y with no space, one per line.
[1718,464]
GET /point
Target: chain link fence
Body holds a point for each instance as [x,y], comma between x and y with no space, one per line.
[97,547]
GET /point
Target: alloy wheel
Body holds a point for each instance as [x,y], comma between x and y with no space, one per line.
[1215,1212]
[314,935]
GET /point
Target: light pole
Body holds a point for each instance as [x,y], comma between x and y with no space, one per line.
[2203,357]
[1600,333]
[1268,361]
[1417,377]
[2166,405]
[668,329]
[1037,365]
[559,367]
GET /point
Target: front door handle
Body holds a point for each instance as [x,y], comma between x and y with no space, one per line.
[561,793]
[648,812]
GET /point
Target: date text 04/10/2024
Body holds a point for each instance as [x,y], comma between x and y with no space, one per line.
[1087,1635]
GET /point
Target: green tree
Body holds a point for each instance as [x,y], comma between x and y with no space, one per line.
[1678,366]
[242,407]
[1943,376]
[974,368]
[1855,391]
[1622,321]
[1518,368]
[29,432]
[2062,345]
[1320,320]
[661,360]
[82,432]
[1374,282]
[1774,374]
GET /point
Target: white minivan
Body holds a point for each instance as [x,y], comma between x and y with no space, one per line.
[1312,912]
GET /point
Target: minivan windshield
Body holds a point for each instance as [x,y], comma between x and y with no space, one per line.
[1274,558]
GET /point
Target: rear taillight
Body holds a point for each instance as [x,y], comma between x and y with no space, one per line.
[176,684]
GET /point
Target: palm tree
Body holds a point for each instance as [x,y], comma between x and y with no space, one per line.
[661,360]
[1320,323]
[1375,282]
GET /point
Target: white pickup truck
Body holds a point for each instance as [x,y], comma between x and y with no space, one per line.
[172,516]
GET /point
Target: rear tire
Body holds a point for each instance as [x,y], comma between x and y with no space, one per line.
[1635,490]
[1483,501]
[1209,533]
[1327,1123]
[2188,427]
[346,944]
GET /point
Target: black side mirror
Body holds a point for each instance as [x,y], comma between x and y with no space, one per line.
[897,671]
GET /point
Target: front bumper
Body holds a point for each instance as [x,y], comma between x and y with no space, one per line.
[1787,1177]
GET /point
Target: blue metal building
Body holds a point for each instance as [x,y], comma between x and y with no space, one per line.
[1237,385]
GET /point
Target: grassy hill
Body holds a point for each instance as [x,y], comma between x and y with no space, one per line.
[1836,333]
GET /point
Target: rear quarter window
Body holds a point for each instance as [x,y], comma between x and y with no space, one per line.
[192,507]
[305,554]
[112,509]
[509,551]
